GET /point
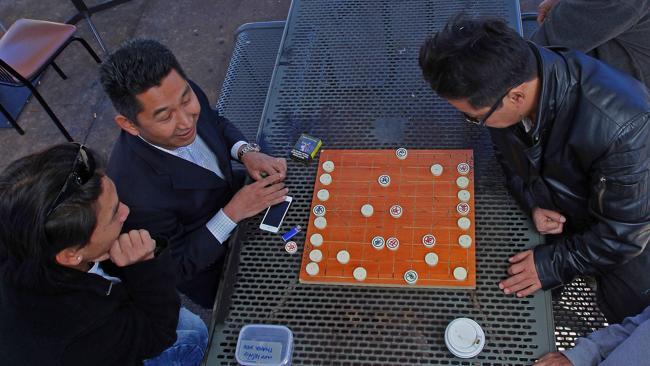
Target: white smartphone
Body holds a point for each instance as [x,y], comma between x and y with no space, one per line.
[275,215]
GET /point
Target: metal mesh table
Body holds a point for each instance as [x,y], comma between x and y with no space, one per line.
[347,73]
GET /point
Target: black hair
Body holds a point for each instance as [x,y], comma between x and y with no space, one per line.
[28,187]
[477,60]
[132,69]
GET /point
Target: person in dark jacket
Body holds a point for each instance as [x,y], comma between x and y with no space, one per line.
[172,164]
[616,32]
[60,216]
[572,136]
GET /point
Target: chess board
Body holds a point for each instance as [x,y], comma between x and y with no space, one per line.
[392,249]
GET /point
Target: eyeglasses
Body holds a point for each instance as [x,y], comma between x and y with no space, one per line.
[82,170]
[481,122]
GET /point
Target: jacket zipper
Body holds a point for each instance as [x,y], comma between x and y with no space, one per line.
[601,193]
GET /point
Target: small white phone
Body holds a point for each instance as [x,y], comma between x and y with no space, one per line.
[275,215]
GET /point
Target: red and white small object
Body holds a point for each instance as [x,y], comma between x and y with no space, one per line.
[463,168]
[392,243]
[396,211]
[463,208]
[291,247]
[429,240]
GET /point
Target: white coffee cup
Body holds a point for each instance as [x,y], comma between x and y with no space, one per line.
[464,338]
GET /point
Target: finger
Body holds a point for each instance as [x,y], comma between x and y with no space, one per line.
[272,189]
[256,175]
[275,196]
[136,241]
[508,282]
[515,269]
[278,200]
[271,179]
[556,216]
[146,239]
[280,165]
[550,225]
[519,256]
[557,230]
[520,282]
[529,290]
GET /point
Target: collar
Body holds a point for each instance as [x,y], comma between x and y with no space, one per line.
[551,69]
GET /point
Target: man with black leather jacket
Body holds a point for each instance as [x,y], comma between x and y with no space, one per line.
[572,135]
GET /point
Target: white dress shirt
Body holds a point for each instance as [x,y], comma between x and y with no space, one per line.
[220,225]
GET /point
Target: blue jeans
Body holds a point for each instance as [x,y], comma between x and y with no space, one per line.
[190,346]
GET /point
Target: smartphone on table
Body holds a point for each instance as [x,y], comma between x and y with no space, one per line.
[275,215]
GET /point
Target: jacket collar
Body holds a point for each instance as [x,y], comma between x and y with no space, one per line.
[553,75]
[50,278]
[183,174]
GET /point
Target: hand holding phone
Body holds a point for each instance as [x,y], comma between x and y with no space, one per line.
[275,215]
[255,197]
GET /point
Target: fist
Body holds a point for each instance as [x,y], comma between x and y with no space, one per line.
[132,247]
[548,221]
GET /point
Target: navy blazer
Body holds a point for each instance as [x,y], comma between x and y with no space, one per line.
[174,198]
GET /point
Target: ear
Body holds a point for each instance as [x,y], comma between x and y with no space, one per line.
[127,125]
[69,257]
[517,95]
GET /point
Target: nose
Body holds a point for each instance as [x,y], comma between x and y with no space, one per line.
[124,212]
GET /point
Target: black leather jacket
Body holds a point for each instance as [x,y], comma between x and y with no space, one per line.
[587,157]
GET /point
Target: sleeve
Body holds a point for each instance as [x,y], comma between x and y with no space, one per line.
[145,324]
[618,204]
[517,187]
[567,25]
[191,250]
[594,349]
[514,183]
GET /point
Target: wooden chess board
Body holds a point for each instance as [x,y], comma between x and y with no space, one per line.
[431,205]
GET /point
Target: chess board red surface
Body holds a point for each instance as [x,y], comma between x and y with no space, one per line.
[431,205]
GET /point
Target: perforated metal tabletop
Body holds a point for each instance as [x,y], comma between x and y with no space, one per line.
[347,73]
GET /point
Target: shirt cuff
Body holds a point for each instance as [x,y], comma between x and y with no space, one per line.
[221,226]
[585,353]
[235,148]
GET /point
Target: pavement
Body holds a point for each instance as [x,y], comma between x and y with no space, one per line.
[199,32]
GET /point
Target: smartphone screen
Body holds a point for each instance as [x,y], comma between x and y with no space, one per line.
[275,214]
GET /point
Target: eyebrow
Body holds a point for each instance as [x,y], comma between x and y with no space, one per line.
[162,109]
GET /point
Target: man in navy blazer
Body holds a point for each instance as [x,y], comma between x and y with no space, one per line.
[172,164]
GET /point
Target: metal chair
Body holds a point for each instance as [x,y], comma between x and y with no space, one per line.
[26,50]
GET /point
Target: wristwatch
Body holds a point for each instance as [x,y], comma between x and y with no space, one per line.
[246,148]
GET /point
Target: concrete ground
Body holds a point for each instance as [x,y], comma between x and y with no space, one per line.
[199,32]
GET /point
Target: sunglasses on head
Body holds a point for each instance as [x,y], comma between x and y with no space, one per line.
[82,170]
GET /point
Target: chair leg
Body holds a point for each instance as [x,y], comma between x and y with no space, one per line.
[11,120]
[59,71]
[88,48]
[49,111]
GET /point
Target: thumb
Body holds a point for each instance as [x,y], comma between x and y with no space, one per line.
[556,216]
